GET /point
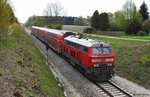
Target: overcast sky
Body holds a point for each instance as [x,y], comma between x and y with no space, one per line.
[26,8]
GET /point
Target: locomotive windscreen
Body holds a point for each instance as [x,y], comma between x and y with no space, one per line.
[101,50]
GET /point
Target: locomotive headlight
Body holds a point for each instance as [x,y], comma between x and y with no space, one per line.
[96,65]
[96,60]
[109,59]
[109,65]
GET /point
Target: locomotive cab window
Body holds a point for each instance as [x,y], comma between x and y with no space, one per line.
[99,50]
[106,50]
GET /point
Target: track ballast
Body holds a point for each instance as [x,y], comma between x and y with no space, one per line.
[110,89]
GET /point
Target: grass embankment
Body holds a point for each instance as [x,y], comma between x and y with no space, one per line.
[132,59]
[137,37]
[123,35]
[23,72]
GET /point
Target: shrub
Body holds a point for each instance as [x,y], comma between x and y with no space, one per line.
[145,60]
[54,26]
[133,28]
[142,33]
[146,26]
[87,30]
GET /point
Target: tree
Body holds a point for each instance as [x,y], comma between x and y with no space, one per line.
[132,17]
[30,21]
[88,20]
[104,21]
[95,20]
[6,18]
[39,22]
[135,24]
[128,10]
[54,9]
[146,26]
[12,19]
[80,21]
[120,20]
[144,11]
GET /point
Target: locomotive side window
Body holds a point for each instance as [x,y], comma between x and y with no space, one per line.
[85,49]
[81,47]
[75,45]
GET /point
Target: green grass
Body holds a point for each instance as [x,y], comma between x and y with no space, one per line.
[27,65]
[122,35]
[137,37]
[132,59]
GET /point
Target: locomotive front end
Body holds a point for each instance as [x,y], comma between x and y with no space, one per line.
[101,61]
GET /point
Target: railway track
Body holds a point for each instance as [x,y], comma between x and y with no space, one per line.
[110,89]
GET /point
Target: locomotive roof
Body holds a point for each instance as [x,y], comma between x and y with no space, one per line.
[86,41]
[58,32]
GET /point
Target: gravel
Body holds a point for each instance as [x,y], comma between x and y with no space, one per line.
[136,90]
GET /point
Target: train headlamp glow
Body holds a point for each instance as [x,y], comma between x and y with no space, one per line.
[109,59]
[109,65]
[96,65]
[96,60]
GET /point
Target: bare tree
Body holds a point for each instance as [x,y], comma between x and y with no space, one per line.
[48,11]
[54,9]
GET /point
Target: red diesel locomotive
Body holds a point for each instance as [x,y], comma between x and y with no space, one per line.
[94,58]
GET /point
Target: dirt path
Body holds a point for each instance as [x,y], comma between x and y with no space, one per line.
[120,38]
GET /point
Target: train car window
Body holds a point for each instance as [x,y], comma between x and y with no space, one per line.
[85,49]
[81,47]
[106,50]
[51,35]
[73,44]
[97,51]
[77,46]
[68,42]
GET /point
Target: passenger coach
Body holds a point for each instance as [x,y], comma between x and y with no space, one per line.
[51,37]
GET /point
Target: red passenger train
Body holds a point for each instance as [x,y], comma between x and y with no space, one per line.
[94,58]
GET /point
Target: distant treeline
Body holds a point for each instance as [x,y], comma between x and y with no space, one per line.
[129,19]
[49,21]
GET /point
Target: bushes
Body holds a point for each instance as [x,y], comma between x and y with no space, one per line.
[142,33]
[54,26]
[133,28]
[145,60]
[87,30]
[146,26]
